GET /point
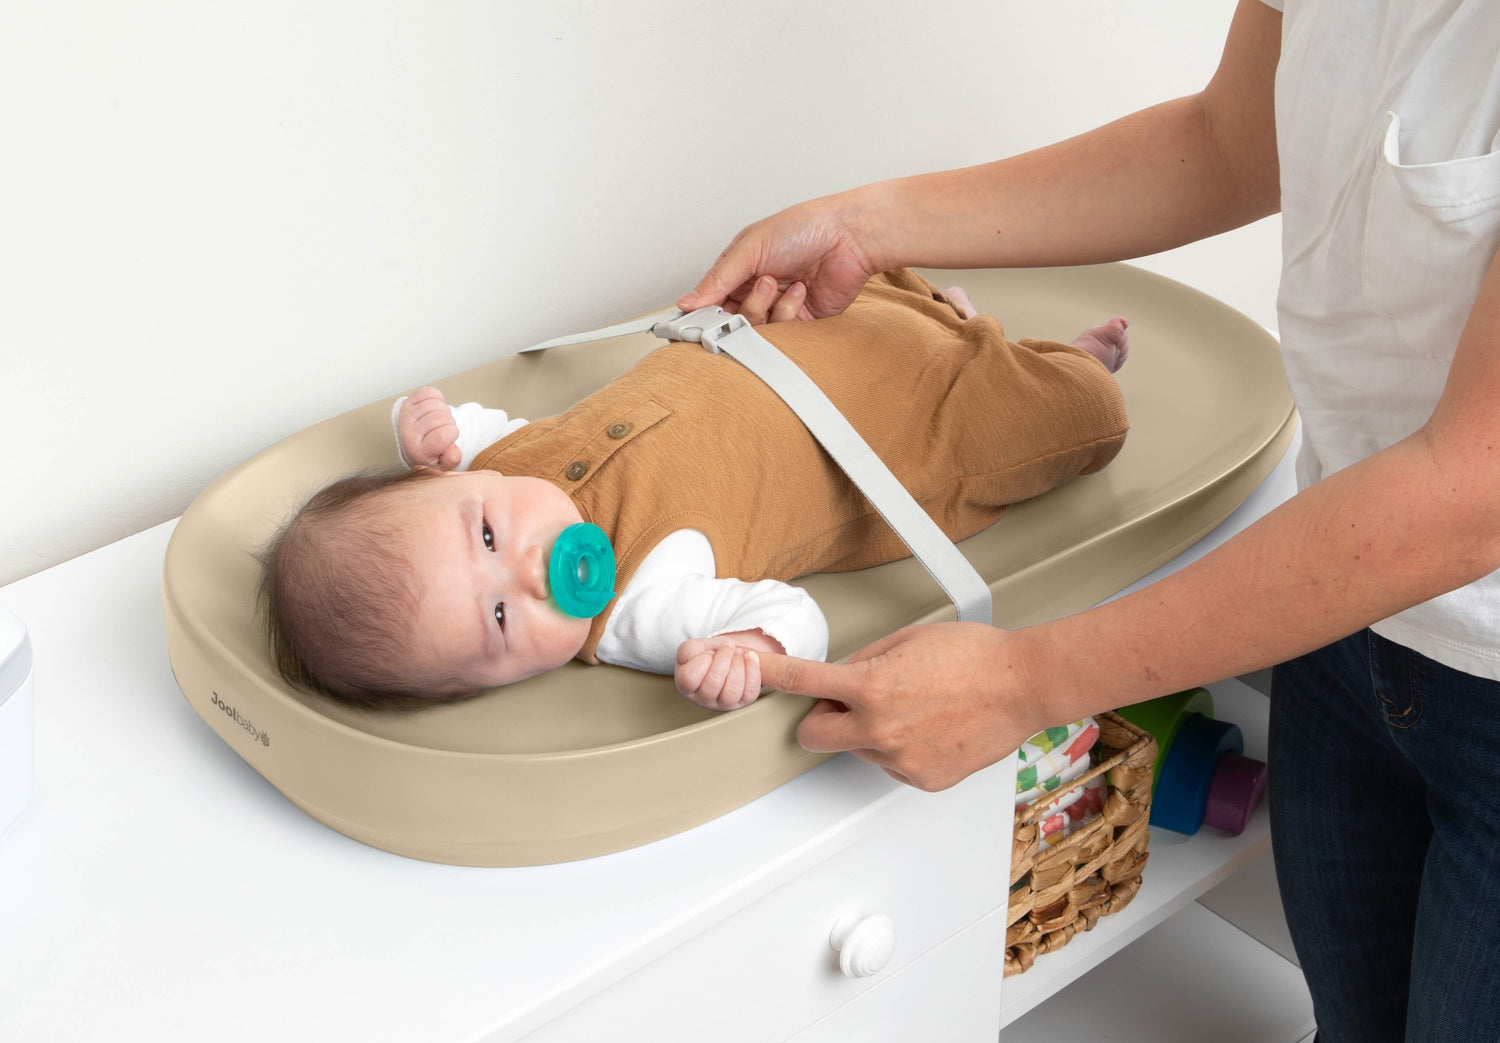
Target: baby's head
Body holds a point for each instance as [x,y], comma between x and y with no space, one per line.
[398,591]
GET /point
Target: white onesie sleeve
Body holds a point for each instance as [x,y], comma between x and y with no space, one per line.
[478,428]
[674,595]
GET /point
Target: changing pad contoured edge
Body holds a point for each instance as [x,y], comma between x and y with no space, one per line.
[592,759]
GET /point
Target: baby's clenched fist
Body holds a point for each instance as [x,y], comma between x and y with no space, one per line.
[723,673]
[426,430]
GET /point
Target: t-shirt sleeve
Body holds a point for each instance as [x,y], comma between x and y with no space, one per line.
[1275,5]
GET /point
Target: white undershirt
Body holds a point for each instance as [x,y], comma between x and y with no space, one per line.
[675,593]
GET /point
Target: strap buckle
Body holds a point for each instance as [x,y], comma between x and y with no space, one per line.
[701,326]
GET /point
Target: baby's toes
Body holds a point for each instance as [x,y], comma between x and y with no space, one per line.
[1121,338]
[1107,342]
[960,298]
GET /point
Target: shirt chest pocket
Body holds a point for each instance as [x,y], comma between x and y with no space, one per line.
[1430,234]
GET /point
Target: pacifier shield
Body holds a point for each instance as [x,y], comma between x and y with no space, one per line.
[581,570]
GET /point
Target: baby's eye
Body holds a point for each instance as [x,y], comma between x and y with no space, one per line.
[500,615]
[489,539]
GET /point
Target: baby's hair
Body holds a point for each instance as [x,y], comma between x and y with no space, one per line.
[336,586]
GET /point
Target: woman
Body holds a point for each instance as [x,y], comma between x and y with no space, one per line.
[1372,125]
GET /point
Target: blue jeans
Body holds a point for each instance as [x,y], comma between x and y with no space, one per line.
[1385,823]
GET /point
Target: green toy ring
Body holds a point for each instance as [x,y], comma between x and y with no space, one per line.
[581,570]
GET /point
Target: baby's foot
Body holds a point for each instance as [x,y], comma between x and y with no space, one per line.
[961,301]
[1108,343]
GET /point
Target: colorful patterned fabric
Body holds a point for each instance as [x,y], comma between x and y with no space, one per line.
[1047,755]
[1056,782]
[1072,811]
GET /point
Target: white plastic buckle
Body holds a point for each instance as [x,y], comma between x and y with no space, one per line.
[701,326]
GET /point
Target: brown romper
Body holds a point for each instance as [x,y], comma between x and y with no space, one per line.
[686,439]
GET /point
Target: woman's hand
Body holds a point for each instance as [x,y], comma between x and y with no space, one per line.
[768,302]
[931,704]
[814,245]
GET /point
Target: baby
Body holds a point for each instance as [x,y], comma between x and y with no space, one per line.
[401,590]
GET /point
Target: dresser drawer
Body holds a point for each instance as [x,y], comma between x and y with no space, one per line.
[950,994]
[934,863]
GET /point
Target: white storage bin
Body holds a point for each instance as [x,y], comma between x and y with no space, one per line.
[17,718]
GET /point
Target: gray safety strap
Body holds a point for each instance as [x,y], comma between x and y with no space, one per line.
[641,325]
[718,331]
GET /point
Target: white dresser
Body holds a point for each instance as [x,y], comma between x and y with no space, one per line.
[157,888]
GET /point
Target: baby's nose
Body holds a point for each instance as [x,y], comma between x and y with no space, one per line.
[534,571]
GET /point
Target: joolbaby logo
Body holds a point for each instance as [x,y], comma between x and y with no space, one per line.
[244,722]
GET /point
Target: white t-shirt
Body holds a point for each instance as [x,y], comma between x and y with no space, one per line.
[674,594]
[1387,126]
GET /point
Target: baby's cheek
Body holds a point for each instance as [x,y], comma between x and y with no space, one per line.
[572,636]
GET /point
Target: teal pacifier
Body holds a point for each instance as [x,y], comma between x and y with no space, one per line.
[581,570]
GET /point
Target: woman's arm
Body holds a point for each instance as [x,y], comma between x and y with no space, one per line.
[934,703]
[1159,178]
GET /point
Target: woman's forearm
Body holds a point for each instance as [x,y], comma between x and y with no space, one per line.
[1368,541]
[1145,183]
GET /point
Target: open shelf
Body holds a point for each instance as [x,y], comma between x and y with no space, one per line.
[1180,869]
[1197,976]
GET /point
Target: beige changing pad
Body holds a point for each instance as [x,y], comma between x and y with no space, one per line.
[592,759]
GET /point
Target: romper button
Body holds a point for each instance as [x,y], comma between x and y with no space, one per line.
[619,429]
[576,470]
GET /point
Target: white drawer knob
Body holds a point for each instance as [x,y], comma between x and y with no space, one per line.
[865,944]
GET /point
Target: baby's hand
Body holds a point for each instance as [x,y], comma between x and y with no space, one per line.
[720,673]
[426,430]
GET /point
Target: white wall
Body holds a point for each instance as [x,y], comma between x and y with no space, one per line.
[222,222]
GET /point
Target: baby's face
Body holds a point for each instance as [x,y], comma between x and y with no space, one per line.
[479,547]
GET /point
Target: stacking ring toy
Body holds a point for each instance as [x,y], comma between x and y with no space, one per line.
[1181,795]
[1164,717]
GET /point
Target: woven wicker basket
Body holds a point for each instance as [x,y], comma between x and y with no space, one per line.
[1095,871]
